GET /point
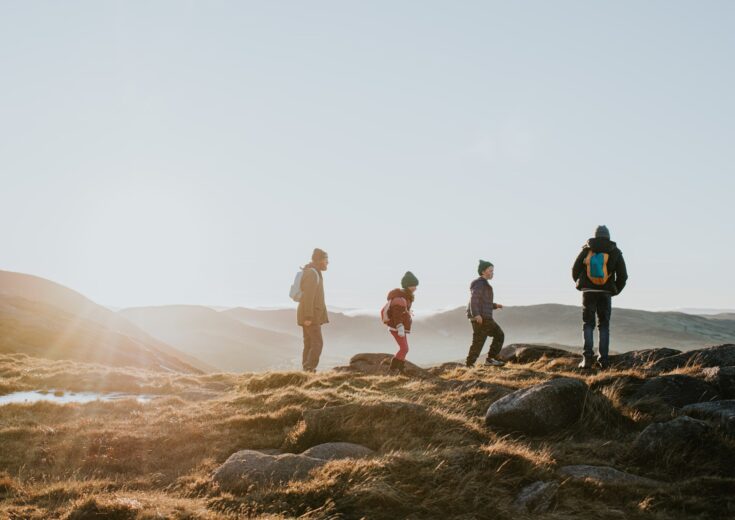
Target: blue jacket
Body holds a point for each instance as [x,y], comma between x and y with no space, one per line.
[481,299]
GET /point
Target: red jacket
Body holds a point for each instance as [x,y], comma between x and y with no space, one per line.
[400,309]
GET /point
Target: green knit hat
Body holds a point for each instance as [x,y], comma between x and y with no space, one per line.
[409,280]
[484,264]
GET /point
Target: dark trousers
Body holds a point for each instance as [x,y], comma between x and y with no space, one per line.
[313,343]
[596,305]
[480,333]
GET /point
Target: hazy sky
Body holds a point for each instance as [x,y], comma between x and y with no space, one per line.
[159,152]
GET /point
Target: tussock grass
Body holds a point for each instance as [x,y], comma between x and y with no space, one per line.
[436,459]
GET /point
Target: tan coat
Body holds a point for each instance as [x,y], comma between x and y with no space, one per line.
[312,306]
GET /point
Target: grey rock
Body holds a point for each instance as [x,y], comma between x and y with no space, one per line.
[674,390]
[720,355]
[522,353]
[537,497]
[719,413]
[338,450]
[248,467]
[682,433]
[541,409]
[378,364]
[605,475]
[723,378]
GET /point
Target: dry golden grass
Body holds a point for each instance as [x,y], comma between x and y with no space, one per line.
[126,460]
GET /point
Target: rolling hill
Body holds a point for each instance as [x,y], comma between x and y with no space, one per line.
[44,319]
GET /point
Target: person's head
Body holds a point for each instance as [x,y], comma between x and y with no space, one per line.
[320,259]
[486,269]
[602,232]
[409,282]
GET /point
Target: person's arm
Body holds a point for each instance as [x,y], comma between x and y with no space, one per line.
[399,313]
[578,265]
[621,274]
[475,301]
[309,283]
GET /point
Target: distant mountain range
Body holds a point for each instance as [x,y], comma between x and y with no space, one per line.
[42,318]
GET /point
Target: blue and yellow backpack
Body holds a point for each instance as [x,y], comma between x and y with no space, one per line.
[597,271]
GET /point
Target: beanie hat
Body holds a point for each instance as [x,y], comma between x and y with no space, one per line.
[318,255]
[409,280]
[484,264]
[602,232]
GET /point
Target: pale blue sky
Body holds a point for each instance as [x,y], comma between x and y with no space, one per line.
[195,152]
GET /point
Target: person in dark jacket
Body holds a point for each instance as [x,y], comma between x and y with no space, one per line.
[480,313]
[600,273]
[312,310]
[400,318]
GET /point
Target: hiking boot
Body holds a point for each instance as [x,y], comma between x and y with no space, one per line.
[402,367]
[393,368]
[603,364]
[494,362]
[586,363]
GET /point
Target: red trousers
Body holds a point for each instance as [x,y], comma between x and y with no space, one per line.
[402,345]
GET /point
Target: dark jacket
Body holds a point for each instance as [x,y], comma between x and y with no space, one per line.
[400,309]
[615,265]
[312,306]
[481,299]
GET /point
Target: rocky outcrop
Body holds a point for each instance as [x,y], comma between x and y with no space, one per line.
[718,413]
[723,378]
[674,390]
[338,450]
[641,358]
[721,355]
[378,364]
[541,409]
[522,353]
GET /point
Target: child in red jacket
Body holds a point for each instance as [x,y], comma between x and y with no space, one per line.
[399,318]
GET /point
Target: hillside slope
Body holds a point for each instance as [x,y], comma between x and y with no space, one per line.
[42,318]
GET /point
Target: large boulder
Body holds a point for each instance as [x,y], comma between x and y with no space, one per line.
[641,358]
[719,413]
[723,378]
[605,475]
[720,355]
[541,409]
[248,467]
[522,353]
[675,391]
[537,497]
[378,364]
[338,450]
[684,445]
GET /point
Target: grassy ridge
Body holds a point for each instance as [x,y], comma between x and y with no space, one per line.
[121,460]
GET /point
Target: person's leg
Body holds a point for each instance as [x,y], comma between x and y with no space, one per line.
[402,345]
[494,330]
[478,341]
[307,348]
[604,312]
[589,307]
[316,345]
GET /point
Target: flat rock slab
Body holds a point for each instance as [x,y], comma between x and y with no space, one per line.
[719,413]
[541,409]
[605,475]
[257,467]
[522,353]
[537,497]
[248,467]
[378,364]
[338,450]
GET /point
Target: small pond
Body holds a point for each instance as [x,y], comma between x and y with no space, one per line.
[62,397]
